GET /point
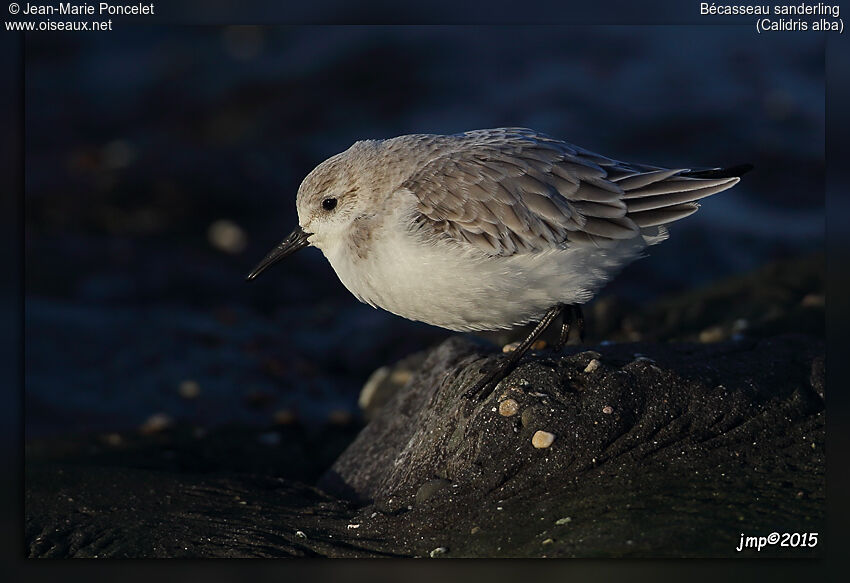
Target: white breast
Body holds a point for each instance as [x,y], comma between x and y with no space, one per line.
[446,285]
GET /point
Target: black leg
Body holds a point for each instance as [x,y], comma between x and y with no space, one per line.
[579,320]
[566,325]
[572,315]
[483,387]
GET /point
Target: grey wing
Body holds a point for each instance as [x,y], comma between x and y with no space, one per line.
[513,190]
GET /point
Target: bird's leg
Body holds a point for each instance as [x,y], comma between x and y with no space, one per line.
[566,324]
[572,314]
[579,320]
[484,386]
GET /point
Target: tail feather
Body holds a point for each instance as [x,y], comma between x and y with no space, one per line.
[656,217]
[660,196]
[674,193]
[731,172]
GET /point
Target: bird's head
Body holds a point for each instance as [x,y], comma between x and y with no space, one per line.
[330,198]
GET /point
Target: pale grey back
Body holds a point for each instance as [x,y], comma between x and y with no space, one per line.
[512,190]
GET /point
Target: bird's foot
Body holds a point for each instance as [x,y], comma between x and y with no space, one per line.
[488,383]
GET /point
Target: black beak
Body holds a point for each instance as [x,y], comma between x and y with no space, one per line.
[296,240]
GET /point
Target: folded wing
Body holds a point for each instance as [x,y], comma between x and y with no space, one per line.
[512,190]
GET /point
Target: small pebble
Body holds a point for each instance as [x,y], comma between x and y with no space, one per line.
[300,534]
[156,423]
[548,541]
[592,365]
[475,530]
[508,408]
[510,347]
[373,384]
[607,409]
[189,389]
[562,521]
[438,551]
[352,526]
[542,439]
[227,236]
[713,334]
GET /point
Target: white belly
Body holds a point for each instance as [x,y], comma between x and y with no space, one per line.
[444,285]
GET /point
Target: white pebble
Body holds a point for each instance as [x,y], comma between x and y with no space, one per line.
[156,423]
[542,439]
[508,408]
[592,365]
[510,347]
[227,236]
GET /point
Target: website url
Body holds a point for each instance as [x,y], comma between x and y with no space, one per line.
[26,26]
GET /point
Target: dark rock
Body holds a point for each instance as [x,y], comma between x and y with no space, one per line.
[701,443]
[96,511]
[429,489]
[670,453]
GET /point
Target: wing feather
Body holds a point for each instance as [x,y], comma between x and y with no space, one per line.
[512,190]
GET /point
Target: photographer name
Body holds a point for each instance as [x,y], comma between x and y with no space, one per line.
[67,8]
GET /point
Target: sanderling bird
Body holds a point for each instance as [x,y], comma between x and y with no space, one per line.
[488,229]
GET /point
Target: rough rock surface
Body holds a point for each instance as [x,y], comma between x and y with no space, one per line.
[662,450]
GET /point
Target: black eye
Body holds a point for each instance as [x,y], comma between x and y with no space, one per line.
[329,204]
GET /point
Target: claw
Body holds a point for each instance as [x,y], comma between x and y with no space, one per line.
[484,387]
[491,380]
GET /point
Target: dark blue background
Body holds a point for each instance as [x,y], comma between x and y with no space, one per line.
[138,140]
